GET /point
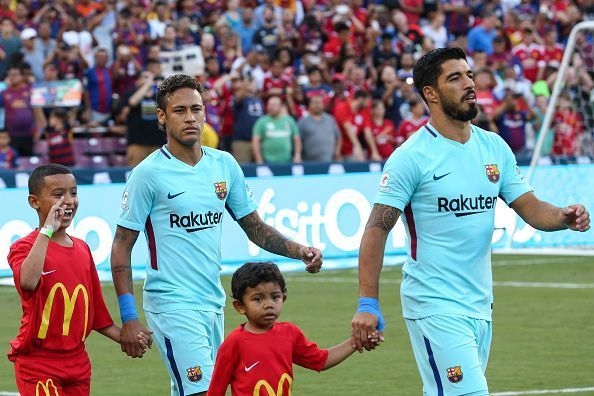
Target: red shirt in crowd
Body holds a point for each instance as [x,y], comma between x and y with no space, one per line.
[568,127]
[59,146]
[531,57]
[276,86]
[407,127]
[262,364]
[553,56]
[66,304]
[344,114]
[385,137]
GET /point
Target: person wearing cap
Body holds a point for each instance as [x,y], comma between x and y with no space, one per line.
[30,54]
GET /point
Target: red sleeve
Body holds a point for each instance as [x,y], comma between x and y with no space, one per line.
[306,353]
[101,316]
[17,255]
[224,368]
[342,115]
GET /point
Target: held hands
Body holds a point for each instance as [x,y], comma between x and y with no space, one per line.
[576,217]
[367,325]
[312,258]
[135,338]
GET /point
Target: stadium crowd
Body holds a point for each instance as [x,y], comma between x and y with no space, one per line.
[286,80]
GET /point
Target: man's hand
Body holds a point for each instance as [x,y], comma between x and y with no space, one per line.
[129,338]
[312,258]
[576,217]
[364,331]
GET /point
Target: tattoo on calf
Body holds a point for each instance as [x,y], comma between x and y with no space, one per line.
[383,216]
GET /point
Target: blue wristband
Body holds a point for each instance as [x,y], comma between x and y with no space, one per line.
[371,305]
[127,307]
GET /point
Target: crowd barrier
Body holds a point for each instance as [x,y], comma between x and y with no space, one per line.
[328,211]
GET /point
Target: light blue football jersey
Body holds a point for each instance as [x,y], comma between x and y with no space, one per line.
[181,209]
[447,192]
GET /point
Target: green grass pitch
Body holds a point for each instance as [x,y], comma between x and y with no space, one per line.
[543,336]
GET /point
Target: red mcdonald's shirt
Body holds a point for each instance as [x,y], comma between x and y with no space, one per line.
[262,364]
[67,303]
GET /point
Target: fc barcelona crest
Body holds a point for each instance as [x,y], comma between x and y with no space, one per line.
[194,374]
[455,374]
[492,173]
[221,190]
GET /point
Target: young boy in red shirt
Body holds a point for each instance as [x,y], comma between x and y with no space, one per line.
[55,276]
[257,357]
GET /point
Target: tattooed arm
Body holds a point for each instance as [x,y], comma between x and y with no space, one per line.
[121,272]
[270,239]
[121,265]
[371,259]
[371,253]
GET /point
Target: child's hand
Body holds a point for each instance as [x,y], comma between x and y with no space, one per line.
[144,340]
[376,337]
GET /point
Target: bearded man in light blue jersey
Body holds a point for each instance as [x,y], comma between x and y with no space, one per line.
[179,195]
[446,180]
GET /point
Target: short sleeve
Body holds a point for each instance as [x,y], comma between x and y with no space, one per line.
[137,200]
[306,353]
[513,184]
[224,368]
[16,256]
[399,181]
[240,201]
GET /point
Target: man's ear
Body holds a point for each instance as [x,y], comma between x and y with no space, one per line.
[284,297]
[161,118]
[430,94]
[238,305]
[33,201]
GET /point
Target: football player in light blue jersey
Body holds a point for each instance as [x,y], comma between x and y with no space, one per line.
[178,196]
[446,180]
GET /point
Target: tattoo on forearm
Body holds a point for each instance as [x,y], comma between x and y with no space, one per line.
[383,216]
[267,237]
[126,237]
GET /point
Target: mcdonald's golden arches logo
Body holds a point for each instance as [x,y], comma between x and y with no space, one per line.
[69,303]
[279,389]
[45,388]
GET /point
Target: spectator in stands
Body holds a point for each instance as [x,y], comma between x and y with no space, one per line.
[415,120]
[160,20]
[436,29]
[268,35]
[512,118]
[247,109]
[389,92]
[480,37]
[250,67]
[69,61]
[246,29]
[125,69]
[568,127]
[274,82]
[484,82]
[383,130]
[539,113]
[44,43]
[143,133]
[315,83]
[319,133]
[275,137]
[58,136]
[353,119]
[19,121]
[9,158]
[98,85]
[10,44]
[457,14]
[260,12]
[383,53]
[531,55]
[30,55]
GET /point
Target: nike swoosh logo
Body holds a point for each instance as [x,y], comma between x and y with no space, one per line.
[169,196]
[48,272]
[440,177]
[251,367]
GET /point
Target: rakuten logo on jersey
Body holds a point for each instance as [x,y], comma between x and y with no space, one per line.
[195,221]
[466,206]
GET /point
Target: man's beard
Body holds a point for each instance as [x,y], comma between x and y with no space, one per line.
[455,111]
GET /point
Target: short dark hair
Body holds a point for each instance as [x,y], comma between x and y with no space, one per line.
[428,67]
[361,94]
[254,273]
[172,84]
[37,178]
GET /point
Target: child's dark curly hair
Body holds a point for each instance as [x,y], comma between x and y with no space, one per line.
[252,274]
